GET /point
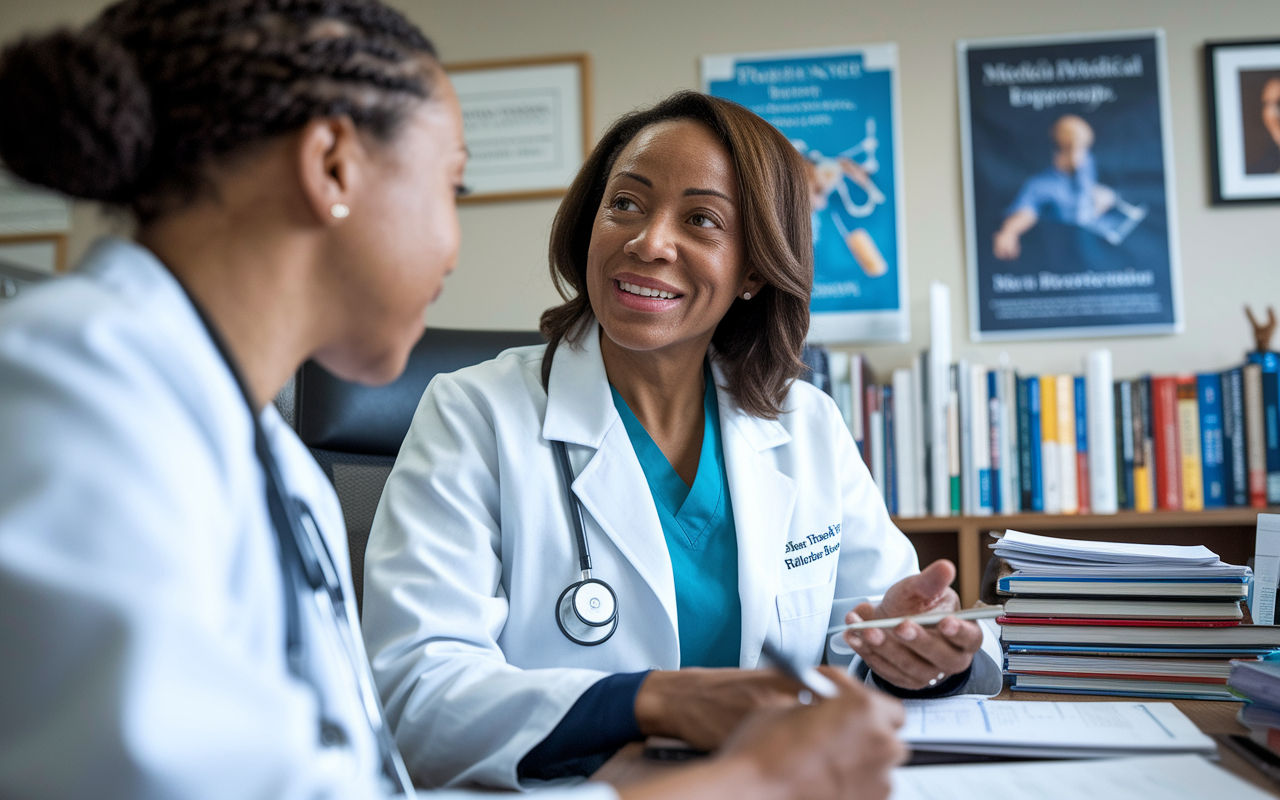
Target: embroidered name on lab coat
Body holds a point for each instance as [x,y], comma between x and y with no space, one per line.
[813,547]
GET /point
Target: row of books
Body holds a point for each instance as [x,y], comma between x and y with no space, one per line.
[991,440]
[1122,619]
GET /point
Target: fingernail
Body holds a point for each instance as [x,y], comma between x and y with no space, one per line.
[949,626]
[908,633]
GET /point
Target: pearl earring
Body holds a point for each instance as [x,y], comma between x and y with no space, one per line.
[746,295]
[339,210]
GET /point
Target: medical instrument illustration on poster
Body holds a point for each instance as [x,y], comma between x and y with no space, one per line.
[839,108]
[1068,182]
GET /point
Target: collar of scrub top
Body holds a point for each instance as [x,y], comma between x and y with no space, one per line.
[580,406]
[304,554]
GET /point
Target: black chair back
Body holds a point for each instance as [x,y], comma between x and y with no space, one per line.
[355,431]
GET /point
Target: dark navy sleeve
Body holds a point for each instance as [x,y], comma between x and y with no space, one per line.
[595,727]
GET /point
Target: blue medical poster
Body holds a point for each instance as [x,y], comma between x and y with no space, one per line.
[1068,187]
[839,108]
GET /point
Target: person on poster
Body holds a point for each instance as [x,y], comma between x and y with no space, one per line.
[1067,192]
[1269,162]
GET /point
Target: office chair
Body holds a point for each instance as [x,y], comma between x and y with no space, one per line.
[355,431]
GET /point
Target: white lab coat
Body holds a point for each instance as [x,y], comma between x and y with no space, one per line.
[141,608]
[471,546]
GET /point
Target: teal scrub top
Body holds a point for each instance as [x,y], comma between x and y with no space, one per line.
[697,522]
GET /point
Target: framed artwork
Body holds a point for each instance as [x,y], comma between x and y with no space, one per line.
[839,108]
[1071,228]
[1243,83]
[527,123]
[42,252]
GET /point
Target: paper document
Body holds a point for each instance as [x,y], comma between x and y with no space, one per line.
[1015,543]
[1050,730]
[1164,777]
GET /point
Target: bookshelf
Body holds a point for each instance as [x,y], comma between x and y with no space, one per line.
[1229,532]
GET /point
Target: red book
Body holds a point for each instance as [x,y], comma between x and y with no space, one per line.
[1129,623]
[1082,481]
[1164,421]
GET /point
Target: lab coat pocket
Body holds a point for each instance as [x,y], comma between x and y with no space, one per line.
[803,615]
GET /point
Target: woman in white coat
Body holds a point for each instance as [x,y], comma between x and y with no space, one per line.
[173,563]
[723,504]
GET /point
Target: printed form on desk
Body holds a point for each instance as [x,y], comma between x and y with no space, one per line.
[1043,729]
[1181,777]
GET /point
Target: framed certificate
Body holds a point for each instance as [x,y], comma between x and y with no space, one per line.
[527,123]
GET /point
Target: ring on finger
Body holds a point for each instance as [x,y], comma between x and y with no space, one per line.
[934,681]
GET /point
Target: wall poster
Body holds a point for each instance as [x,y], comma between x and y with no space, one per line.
[839,108]
[1068,182]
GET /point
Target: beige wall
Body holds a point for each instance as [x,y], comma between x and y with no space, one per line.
[644,50]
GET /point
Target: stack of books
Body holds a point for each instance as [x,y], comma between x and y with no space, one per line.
[1124,619]
[1258,683]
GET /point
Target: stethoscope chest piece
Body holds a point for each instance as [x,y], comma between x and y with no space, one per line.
[587,612]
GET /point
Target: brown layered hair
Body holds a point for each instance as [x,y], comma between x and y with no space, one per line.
[758,342]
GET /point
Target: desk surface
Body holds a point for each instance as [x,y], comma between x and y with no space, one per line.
[629,765]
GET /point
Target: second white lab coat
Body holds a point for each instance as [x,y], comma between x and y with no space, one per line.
[472,545]
[141,605]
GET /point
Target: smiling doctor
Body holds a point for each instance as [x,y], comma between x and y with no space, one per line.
[519,629]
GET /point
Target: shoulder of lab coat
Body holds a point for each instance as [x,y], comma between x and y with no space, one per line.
[434,606]
[149,614]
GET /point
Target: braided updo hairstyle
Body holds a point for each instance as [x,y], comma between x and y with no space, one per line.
[134,109]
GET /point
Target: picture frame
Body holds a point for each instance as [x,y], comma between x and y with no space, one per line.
[1242,84]
[527,122]
[43,252]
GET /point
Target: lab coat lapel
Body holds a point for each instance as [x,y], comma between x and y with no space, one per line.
[611,485]
[763,500]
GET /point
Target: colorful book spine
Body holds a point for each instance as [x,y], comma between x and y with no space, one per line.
[953,446]
[875,437]
[1010,463]
[1082,446]
[904,446]
[1024,441]
[1036,438]
[1124,450]
[980,441]
[1209,396]
[1050,460]
[995,420]
[1255,436]
[919,436]
[1235,466]
[1270,363]
[1144,458]
[1101,414]
[1168,466]
[1189,444]
[890,456]
[1069,498]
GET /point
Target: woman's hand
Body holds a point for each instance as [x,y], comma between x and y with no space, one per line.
[703,706]
[911,656]
[838,749]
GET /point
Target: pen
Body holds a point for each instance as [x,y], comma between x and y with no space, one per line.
[806,676]
[987,612]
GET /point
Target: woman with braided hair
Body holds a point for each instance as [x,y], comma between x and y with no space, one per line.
[173,566]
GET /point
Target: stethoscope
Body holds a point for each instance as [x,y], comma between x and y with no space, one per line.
[304,557]
[587,611]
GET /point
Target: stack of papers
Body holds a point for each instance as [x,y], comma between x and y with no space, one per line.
[1050,730]
[1164,777]
[1030,555]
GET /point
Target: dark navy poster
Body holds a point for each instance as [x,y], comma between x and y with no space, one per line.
[1068,178]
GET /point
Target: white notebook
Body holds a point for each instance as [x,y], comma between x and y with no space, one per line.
[1045,729]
